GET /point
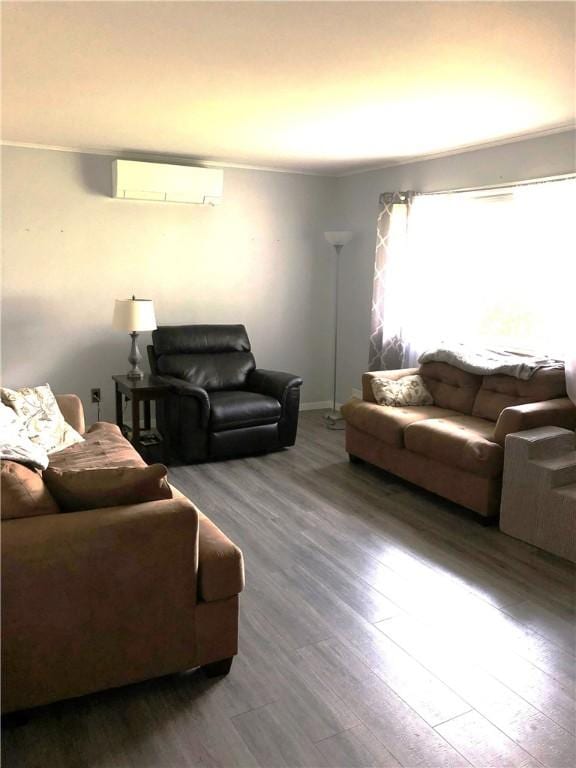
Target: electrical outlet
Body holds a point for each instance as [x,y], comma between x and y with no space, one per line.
[95,396]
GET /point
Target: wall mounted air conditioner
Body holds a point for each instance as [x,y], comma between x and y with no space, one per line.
[167,183]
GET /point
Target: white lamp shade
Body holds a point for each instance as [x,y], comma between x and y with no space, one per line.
[338,238]
[134,315]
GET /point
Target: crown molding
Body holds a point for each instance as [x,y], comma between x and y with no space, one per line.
[125,154]
[563,128]
[143,155]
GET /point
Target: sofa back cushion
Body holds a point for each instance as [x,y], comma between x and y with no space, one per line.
[450,387]
[24,493]
[209,356]
[498,391]
[82,489]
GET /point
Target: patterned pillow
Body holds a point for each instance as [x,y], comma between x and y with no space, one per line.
[409,390]
[15,445]
[43,420]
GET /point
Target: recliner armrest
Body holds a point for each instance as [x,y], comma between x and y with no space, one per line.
[185,389]
[558,412]
[272,383]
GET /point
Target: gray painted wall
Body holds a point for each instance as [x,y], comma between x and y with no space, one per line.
[356,204]
[69,250]
[260,258]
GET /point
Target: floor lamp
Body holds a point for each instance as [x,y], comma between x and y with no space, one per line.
[337,240]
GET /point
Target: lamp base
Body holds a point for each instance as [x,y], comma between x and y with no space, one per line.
[334,420]
[135,373]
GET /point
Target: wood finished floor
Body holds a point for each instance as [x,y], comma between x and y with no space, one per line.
[379,627]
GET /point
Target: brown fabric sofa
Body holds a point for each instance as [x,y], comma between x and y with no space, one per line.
[455,448]
[101,598]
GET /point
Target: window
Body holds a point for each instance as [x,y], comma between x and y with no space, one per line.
[494,268]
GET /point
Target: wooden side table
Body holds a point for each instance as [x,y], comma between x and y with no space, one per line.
[138,391]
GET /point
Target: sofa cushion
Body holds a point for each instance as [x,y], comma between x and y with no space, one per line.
[450,387]
[409,390]
[43,419]
[498,391]
[82,489]
[386,422]
[15,445]
[231,410]
[23,492]
[369,376]
[103,446]
[460,441]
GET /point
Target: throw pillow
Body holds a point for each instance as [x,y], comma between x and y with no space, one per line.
[15,445]
[24,493]
[409,390]
[45,424]
[80,489]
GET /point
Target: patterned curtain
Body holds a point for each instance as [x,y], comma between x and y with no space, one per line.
[571,376]
[389,349]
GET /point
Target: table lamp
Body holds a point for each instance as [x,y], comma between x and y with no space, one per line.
[134,315]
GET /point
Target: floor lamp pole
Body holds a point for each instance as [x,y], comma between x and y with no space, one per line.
[337,240]
[337,248]
[334,419]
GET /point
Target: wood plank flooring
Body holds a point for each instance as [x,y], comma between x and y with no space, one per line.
[379,627]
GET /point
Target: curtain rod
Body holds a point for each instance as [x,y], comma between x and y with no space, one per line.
[545,180]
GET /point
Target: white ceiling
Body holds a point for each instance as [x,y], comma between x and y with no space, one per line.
[326,87]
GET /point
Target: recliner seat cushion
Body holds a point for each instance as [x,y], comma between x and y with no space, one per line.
[387,422]
[460,441]
[211,371]
[450,387]
[499,391]
[231,410]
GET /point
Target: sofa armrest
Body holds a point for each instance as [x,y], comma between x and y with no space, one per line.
[97,599]
[185,389]
[272,383]
[73,411]
[559,412]
[367,378]
[220,563]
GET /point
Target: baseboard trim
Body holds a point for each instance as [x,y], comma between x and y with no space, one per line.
[318,406]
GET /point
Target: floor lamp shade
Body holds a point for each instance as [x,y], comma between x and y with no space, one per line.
[341,237]
[134,315]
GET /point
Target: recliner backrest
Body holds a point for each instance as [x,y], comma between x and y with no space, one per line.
[209,356]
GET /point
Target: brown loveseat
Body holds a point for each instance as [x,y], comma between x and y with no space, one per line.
[455,447]
[97,599]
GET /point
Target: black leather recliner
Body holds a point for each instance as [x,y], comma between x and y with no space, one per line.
[221,405]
